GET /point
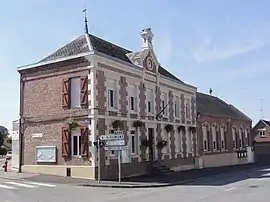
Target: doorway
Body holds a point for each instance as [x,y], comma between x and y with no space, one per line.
[151,143]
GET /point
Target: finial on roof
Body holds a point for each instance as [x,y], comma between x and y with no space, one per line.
[85,21]
[210,91]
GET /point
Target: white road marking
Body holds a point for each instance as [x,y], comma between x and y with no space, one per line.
[6,187]
[41,184]
[230,189]
[21,185]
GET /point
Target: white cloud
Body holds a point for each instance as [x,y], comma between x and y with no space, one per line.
[231,44]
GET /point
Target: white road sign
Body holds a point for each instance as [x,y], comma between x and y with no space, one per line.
[112,137]
[115,143]
[116,148]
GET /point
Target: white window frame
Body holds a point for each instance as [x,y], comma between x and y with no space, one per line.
[179,142]
[240,138]
[234,138]
[75,92]
[132,133]
[188,108]
[133,94]
[205,140]
[262,132]
[177,107]
[112,87]
[163,103]
[150,99]
[246,137]
[76,133]
[222,134]
[214,137]
[189,141]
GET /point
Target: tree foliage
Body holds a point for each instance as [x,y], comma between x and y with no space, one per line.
[3,134]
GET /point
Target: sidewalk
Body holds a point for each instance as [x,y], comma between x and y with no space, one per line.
[171,179]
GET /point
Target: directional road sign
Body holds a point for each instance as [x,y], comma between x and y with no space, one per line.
[116,148]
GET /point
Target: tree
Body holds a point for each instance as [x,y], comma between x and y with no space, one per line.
[9,140]
[3,134]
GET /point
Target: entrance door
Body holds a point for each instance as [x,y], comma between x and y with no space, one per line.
[151,144]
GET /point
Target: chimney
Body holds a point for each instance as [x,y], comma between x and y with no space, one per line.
[147,37]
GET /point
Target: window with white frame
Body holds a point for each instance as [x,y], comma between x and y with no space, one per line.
[189,141]
[234,137]
[164,101]
[187,108]
[240,138]
[222,134]
[75,92]
[214,135]
[178,142]
[177,107]
[76,142]
[112,93]
[150,101]
[133,142]
[262,132]
[246,136]
[205,139]
[133,97]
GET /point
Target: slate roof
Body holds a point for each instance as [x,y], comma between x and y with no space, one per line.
[80,45]
[211,105]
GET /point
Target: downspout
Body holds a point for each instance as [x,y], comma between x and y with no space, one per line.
[21,124]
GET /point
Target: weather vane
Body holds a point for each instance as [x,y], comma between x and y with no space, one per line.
[85,21]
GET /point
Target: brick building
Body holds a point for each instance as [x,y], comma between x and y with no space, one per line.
[223,133]
[93,85]
[261,141]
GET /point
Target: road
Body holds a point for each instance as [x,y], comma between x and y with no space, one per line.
[251,186]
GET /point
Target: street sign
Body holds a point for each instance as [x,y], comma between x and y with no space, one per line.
[112,137]
[116,148]
[114,143]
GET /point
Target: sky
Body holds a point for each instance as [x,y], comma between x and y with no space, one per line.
[218,44]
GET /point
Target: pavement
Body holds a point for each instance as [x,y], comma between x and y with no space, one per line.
[171,179]
[250,185]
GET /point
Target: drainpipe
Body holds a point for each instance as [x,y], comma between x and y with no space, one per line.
[21,124]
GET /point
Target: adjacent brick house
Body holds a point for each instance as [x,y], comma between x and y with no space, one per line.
[93,83]
[261,141]
[223,133]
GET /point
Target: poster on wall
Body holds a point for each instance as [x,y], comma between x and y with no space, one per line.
[45,154]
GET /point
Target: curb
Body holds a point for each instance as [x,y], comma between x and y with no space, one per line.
[156,185]
[140,186]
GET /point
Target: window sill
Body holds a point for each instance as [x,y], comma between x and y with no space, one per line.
[177,118]
[112,109]
[77,157]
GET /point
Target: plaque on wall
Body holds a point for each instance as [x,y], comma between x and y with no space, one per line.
[46,154]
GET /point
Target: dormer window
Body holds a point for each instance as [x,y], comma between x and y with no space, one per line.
[262,133]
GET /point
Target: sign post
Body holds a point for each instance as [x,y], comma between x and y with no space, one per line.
[98,148]
[115,142]
[119,165]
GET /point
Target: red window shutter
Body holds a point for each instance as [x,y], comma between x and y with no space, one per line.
[66,94]
[84,142]
[66,143]
[84,92]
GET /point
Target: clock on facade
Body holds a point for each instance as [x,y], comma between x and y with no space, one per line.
[149,63]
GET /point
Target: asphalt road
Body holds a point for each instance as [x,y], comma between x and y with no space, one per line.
[248,186]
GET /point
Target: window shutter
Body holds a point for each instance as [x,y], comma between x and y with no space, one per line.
[84,143]
[66,94]
[84,92]
[66,143]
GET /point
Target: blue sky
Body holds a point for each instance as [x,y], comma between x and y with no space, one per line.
[218,44]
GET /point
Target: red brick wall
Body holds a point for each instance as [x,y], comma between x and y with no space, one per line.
[219,121]
[42,107]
